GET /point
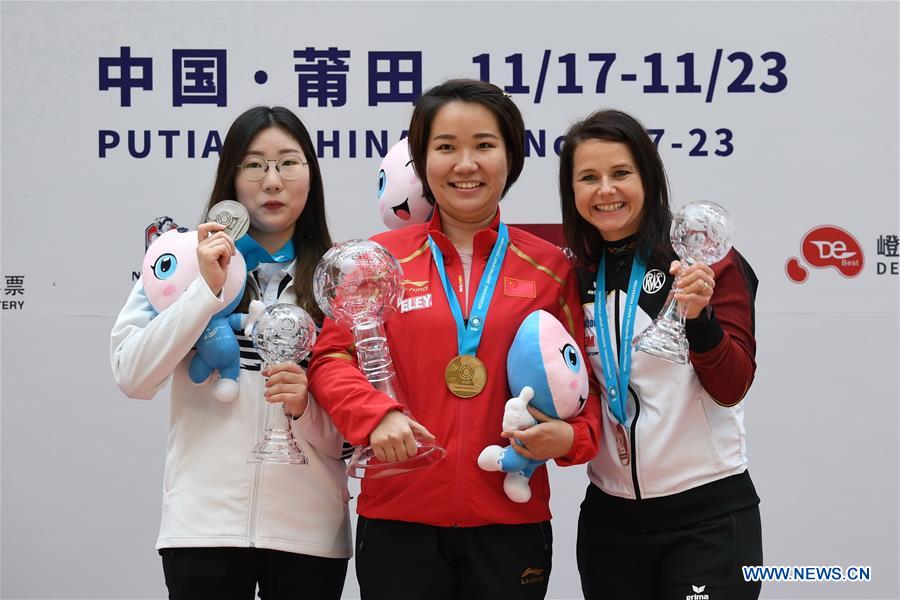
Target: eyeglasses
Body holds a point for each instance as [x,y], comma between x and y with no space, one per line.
[254,168]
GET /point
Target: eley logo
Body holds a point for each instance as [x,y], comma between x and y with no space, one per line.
[826,246]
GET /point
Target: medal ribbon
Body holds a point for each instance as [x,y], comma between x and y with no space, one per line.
[617,379]
[255,254]
[469,336]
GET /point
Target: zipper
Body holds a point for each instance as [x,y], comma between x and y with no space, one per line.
[632,433]
[257,473]
[633,437]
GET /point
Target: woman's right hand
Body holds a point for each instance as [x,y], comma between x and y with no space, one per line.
[394,439]
[214,251]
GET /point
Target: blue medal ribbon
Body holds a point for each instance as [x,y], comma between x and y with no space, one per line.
[468,336]
[254,254]
[617,379]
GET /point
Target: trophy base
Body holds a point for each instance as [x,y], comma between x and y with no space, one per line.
[667,343]
[279,449]
[365,465]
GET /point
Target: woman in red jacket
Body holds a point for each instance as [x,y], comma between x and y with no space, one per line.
[449,531]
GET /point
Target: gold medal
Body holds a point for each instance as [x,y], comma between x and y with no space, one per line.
[622,444]
[466,376]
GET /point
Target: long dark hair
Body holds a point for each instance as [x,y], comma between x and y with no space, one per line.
[652,240]
[311,238]
[512,127]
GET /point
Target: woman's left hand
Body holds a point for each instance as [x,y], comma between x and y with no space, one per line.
[287,383]
[695,286]
[550,438]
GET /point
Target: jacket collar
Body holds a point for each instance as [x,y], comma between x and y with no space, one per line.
[482,244]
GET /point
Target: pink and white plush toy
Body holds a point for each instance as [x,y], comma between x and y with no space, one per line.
[545,369]
[401,201]
[170,266]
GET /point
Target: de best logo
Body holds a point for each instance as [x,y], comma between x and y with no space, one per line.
[826,246]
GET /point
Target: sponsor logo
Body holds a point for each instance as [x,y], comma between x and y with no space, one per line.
[887,246]
[519,288]
[415,287]
[698,593]
[653,281]
[826,246]
[533,576]
[13,286]
[415,303]
[159,226]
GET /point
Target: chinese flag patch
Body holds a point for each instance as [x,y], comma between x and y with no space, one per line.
[519,288]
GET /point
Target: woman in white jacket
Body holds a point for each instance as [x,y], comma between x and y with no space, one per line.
[227,525]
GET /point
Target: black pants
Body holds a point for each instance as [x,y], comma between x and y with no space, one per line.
[232,574]
[697,561]
[397,561]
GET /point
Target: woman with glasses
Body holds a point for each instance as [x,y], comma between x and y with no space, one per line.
[227,525]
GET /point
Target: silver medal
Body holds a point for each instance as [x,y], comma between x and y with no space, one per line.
[232,215]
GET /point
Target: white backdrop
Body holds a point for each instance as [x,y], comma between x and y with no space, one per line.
[82,464]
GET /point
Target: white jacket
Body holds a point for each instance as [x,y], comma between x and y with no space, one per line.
[211,495]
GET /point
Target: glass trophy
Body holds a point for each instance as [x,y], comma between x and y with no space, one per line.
[282,333]
[357,284]
[701,232]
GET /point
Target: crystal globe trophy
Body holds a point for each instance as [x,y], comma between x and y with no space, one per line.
[701,232]
[357,284]
[282,333]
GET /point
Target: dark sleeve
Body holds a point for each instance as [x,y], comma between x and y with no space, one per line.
[721,340]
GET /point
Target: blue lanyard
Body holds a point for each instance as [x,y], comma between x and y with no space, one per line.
[254,253]
[617,380]
[468,337]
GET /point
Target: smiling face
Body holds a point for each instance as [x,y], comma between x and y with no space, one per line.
[609,192]
[466,164]
[401,201]
[274,203]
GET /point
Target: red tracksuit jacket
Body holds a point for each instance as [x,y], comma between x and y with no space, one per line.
[422,339]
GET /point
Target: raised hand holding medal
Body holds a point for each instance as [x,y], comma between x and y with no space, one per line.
[232,216]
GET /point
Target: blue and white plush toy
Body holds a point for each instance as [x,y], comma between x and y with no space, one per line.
[545,369]
[170,266]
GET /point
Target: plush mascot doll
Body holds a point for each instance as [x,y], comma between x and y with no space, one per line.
[170,266]
[401,201]
[545,369]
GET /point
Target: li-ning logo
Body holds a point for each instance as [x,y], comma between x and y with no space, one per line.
[653,281]
[532,576]
[698,593]
[826,246]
